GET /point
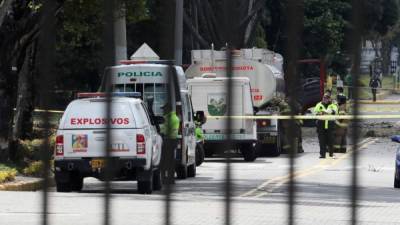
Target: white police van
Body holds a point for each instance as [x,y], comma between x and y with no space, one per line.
[151,77]
[81,138]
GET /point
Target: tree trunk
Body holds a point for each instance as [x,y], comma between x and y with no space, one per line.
[23,123]
[386,50]
[6,113]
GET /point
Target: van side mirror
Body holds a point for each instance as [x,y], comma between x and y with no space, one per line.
[159,120]
[200,117]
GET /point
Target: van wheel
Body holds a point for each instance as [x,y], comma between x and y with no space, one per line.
[63,187]
[182,172]
[76,182]
[199,154]
[145,186]
[157,184]
[248,152]
[192,170]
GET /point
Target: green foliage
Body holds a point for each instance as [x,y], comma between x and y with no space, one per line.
[34,169]
[31,149]
[324,26]
[260,39]
[7,173]
[379,16]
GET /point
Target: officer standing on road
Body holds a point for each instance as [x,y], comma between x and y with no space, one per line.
[170,132]
[325,128]
[374,83]
[340,144]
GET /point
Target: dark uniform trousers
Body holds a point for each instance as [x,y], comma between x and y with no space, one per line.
[325,137]
[168,160]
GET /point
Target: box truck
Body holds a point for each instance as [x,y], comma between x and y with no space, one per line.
[210,95]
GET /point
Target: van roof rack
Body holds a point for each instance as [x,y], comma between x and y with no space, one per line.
[104,94]
[161,62]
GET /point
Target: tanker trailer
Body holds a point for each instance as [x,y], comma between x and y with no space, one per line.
[264,70]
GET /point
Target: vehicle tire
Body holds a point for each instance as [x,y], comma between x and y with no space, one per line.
[191,170]
[145,186]
[208,151]
[63,187]
[249,152]
[396,181]
[199,154]
[76,182]
[277,149]
[157,184]
[181,172]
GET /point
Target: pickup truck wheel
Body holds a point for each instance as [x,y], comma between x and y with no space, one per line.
[192,170]
[157,184]
[76,182]
[63,186]
[182,172]
[145,186]
[199,154]
[249,152]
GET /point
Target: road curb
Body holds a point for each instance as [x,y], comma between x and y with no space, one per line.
[25,185]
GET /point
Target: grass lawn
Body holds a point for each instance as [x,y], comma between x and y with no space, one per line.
[365,90]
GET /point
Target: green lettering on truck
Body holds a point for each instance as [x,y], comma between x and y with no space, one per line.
[139,74]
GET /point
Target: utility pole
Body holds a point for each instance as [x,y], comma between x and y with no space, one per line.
[120,33]
[178,32]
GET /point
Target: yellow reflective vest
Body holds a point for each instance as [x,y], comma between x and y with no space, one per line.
[331,109]
[170,128]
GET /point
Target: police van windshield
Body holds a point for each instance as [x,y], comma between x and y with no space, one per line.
[157,91]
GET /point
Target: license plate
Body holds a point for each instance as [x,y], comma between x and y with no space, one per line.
[269,139]
[97,164]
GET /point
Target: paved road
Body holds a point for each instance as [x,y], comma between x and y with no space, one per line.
[260,194]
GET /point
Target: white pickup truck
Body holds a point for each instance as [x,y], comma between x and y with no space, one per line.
[135,146]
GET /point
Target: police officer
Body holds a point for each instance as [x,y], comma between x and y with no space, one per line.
[325,128]
[170,132]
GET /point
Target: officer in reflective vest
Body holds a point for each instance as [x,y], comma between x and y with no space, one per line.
[326,127]
[340,143]
[170,128]
[170,133]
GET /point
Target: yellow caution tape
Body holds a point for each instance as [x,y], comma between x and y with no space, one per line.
[309,117]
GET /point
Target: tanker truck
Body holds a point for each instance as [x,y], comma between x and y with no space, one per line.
[264,70]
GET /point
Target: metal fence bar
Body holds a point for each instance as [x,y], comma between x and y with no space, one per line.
[295,13]
[228,13]
[108,60]
[356,50]
[47,53]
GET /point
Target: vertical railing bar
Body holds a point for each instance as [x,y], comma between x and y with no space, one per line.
[172,89]
[295,12]
[109,59]
[47,49]
[356,42]
[229,7]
